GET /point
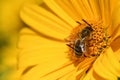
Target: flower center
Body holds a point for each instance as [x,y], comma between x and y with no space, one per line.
[87,40]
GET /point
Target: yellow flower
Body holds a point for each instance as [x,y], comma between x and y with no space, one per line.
[70,40]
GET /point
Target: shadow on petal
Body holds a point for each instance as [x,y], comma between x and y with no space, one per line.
[115,44]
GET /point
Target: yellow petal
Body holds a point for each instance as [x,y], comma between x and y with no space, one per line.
[60,12]
[44,58]
[69,76]
[42,21]
[105,11]
[45,71]
[117,54]
[114,62]
[68,7]
[29,41]
[89,75]
[79,8]
[115,21]
[86,9]
[28,35]
[81,73]
[107,66]
[83,66]
[113,4]
[115,33]
[94,5]
[116,43]
[115,14]
[86,63]
[108,63]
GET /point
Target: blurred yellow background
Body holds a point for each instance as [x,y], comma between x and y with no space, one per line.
[10,25]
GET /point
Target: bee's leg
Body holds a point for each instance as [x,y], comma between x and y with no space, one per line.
[69,45]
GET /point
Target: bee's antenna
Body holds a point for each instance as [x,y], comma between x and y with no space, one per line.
[78,22]
[86,22]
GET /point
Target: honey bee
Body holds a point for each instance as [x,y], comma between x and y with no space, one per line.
[80,45]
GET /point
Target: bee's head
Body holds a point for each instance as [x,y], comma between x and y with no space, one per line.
[87,30]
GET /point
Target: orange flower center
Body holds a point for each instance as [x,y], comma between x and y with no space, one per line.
[89,39]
